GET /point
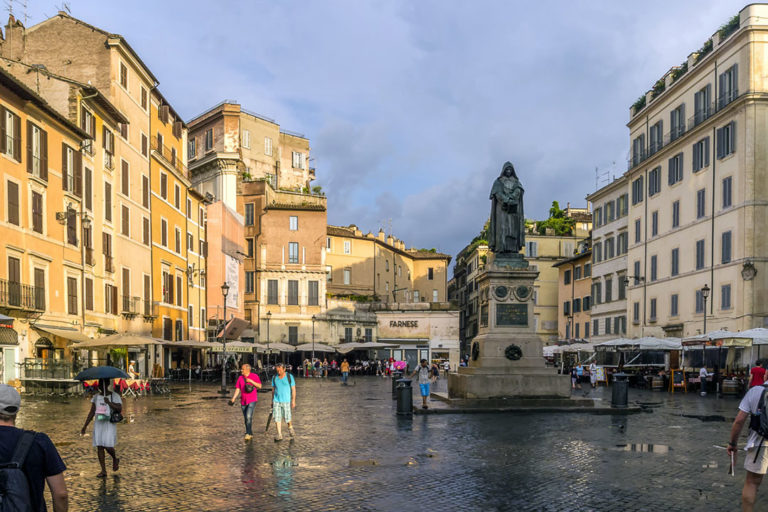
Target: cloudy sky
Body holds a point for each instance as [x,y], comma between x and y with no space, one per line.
[412,107]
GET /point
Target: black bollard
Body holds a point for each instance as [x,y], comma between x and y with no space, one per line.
[404,397]
[619,397]
[395,375]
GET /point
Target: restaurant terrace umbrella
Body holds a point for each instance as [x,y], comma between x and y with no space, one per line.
[274,347]
[317,347]
[117,340]
[102,372]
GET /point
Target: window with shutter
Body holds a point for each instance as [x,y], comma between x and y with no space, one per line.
[88,294]
[125,178]
[13,202]
[179,289]
[37,212]
[126,221]
[71,226]
[164,186]
[71,295]
[727,200]
[145,237]
[107,202]
[726,247]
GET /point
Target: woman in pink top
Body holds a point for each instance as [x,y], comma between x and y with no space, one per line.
[247,387]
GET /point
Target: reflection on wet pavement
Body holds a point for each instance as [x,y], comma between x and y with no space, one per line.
[186,453]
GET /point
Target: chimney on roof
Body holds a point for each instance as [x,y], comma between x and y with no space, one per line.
[382,236]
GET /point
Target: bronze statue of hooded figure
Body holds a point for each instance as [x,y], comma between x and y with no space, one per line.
[506,231]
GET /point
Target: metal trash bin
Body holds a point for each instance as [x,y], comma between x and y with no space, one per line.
[620,391]
[404,397]
[395,375]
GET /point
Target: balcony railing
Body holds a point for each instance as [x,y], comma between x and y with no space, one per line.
[109,263]
[169,156]
[131,305]
[21,296]
[693,121]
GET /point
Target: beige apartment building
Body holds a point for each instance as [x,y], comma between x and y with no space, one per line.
[610,242]
[574,292]
[470,263]
[71,48]
[228,144]
[284,263]
[542,252]
[380,267]
[698,192]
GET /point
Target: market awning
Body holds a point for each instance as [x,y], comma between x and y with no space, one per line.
[5,319]
[316,347]
[273,348]
[405,341]
[645,343]
[716,338]
[68,333]
[368,345]
[189,344]
[117,340]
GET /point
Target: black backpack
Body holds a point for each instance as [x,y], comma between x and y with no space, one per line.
[759,420]
[15,493]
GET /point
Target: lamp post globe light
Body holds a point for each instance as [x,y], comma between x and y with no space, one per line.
[313,337]
[224,292]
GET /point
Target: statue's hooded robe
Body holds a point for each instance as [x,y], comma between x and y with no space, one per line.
[506,231]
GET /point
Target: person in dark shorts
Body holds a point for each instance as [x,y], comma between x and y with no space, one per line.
[42,464]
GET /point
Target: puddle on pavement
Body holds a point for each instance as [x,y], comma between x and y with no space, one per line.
[361,463]
[705,417]
[643,448]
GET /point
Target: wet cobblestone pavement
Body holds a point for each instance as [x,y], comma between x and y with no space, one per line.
[186,452]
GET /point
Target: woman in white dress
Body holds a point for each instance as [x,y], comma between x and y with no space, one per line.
[104,431]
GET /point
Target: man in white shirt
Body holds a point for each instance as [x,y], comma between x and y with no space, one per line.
[703,378]
[756,462]
[593,374]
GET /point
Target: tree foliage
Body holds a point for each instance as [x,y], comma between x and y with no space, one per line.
[557,221]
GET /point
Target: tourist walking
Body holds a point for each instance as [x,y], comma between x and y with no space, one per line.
[593,374]
[103,406]
[344,371]
[283,400]
[756,458]
[757,374]
[38,460]
[425,378]
[325,368]
[574,378]
[247,388]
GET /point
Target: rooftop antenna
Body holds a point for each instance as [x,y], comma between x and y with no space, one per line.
[600,176]
[64,7]
[24,7]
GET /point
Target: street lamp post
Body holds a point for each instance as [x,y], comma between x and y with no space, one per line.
[269,315]
[704,297]
[224,292]
[313,338]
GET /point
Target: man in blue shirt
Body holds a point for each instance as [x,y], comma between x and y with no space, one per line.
[284,399]
[43,463]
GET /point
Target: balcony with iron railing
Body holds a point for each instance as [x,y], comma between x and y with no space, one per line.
[21,296]
[131,305]
[698,118]
[173,159]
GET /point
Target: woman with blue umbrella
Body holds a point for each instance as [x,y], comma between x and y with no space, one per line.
[106,408]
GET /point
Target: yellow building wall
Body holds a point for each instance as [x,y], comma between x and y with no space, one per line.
[166,257]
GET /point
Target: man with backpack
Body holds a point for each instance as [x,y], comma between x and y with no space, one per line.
[753,410]
[284,399]
[27,460]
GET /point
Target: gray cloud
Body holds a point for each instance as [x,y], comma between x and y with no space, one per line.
[412,107]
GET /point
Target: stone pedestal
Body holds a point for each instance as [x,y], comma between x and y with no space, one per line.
[506,359]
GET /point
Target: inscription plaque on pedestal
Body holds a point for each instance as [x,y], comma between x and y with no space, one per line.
[512,315]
